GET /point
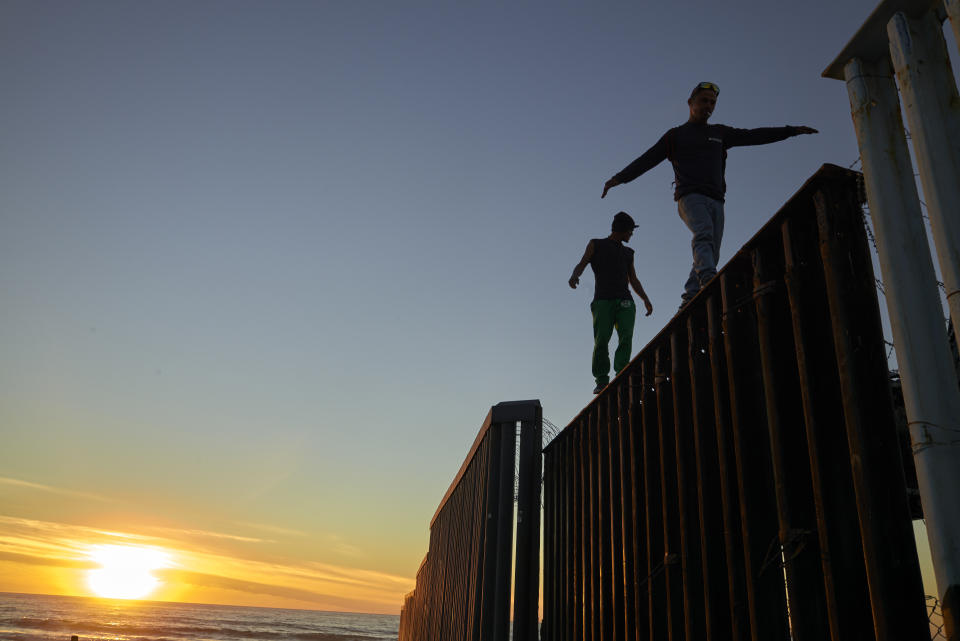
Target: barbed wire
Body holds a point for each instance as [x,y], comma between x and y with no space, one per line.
[868,227]
[935,617]
[550,431]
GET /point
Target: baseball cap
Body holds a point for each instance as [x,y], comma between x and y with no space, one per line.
[705,85]
[623,222]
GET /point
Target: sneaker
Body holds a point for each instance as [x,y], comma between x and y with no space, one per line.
[599,388]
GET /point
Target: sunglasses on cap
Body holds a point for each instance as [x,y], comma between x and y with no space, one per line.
[707,85]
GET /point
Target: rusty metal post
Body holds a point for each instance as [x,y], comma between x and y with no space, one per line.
[596,595]
[488,597]
[627,539]
[639,537]
[841,553]
[567,551]
[654,583]
[602,454]
[614,450]
[765,588]
[576,520]
[570,553]
[727,468]
[552,543]
[687,500]
[716,609]
[791,463]
[893,572]
[557,554]
[669,501]
[584,610]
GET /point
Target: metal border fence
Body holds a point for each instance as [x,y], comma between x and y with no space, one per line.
[463,590]
[742,479]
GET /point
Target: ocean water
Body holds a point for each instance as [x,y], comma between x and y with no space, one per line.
[31,617]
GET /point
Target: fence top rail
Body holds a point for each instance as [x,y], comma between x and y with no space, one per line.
[504,412]
[870,42]
[828,174]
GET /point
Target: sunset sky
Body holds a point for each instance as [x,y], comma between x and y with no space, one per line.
[265,266]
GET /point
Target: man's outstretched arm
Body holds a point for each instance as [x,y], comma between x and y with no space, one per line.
[637,287]
[763,135]
[650,159]
[582,265]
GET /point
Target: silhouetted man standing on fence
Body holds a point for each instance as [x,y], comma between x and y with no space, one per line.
[612,306]
[698,152]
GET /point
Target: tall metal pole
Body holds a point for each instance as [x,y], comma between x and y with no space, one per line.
[932,106]
[929,383]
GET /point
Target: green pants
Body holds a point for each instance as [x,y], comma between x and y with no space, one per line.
[618,313]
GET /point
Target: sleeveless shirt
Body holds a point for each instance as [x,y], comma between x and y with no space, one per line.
[611,262]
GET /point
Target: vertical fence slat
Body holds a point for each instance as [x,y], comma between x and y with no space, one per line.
[637,507]
[552,543]
[584,624]
[605,520]
[841,552]
[592,447]
[893,573]
[569,556]
[688,509]
[668,489]
[655,581]
[765,588]
[716,606]
[791,471]
[628,517]
[732,530]
[616,511]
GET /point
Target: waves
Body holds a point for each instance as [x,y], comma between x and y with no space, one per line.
[34,617]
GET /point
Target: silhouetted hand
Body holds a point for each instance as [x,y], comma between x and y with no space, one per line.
[613,182]
[573,282]
[646,303]
[804,130]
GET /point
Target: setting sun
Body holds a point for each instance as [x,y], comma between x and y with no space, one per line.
[125,571]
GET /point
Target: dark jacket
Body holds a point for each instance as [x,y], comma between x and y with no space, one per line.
[698,153]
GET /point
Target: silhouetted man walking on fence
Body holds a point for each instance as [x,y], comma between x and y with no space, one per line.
[612,306]
[698,152]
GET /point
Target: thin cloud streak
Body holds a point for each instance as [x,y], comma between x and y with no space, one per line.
[272,529]
[200,579]
[29,559]
[210,534]
[53,490]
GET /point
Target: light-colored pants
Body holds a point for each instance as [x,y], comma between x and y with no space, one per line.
[704,217]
